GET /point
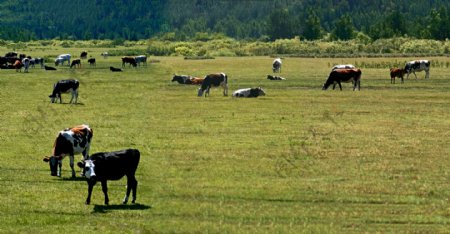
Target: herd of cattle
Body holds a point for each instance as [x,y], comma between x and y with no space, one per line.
[106,166]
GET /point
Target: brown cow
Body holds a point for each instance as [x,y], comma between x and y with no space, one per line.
[397,72]
[18,65]
[196,80]
[130,60]
[344,75]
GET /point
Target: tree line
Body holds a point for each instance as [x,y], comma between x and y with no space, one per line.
[179,20]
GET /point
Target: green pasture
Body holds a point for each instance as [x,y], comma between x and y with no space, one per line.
[296,160]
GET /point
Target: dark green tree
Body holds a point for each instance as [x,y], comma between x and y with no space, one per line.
[280,24]
[312,30]
[344,29]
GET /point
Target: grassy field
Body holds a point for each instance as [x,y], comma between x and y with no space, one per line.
[297,160]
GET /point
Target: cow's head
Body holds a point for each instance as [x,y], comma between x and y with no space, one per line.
[261,92]
[53,161]
[88,167]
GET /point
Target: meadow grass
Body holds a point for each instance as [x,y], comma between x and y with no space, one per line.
[296,160]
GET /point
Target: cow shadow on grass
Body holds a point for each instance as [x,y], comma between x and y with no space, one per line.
[107,208]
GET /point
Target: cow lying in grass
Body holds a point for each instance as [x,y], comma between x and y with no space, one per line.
[113,69]
[111,166]
[249,92]
[270,77]
[184,79]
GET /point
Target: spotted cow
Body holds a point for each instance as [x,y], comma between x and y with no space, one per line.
[70,141]
[249,92]
[65,86]
[418,65]
[218,79]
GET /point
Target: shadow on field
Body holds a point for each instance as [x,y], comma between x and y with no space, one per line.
[73,179]
[106,208]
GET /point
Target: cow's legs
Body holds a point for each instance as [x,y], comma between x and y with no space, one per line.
[225,89]
[427,74]
[58,173]
[71,157]
[131,185]
[105,191]
[90,187]
[340,86]
[415,74]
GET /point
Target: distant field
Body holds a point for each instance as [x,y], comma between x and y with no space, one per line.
[297,160]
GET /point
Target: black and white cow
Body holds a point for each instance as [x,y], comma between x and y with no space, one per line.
[65,86]
[26,64]
[70,141]
[62,58]
[276,65]
[249,92]
[141,59]
[343,66]
[270,77]
[344,75]
[418,65]
[182,79]
[218,79]
[111,166]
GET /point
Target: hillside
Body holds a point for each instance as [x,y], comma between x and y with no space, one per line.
[132,20]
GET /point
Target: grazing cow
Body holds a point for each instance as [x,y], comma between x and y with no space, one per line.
[69,141]
[91,62]
[249,92]
[17,65]
[218,79]
[418,65]
[83,55]
[113,69]
[343,66]
[104,55]
[276,65]
[111,166]
[397,72]
[76,63]
[141,59]
[182,79]
[65,86]
[26,64]
[35,61]
[48,68]
[130,60]
[344,75]
[62,58]
[270,77]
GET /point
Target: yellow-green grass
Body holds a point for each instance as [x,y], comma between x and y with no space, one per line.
[296,160]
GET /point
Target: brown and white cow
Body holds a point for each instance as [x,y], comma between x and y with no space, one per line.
[218,79]
[397,72]
[130,60]
[344,75]
[69,141]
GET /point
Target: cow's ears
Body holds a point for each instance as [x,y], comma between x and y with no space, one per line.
[46,159]
[80,164]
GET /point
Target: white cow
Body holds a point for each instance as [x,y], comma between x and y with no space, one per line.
[105,55]
[62,58]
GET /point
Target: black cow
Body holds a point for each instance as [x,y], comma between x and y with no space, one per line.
[113,69]
[219,79]
[48,68]
[65,86]
[76,63]
[111,166]
[83,55]
[91,62]
[344,75]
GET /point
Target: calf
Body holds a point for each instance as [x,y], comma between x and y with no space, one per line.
[76,63]
[111,166]
[270,77]
[219,79]
[249,92]
[343,75]
[69,141]
[65,86]
[113,69]
[276,65]
[91,62]
[397,72]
